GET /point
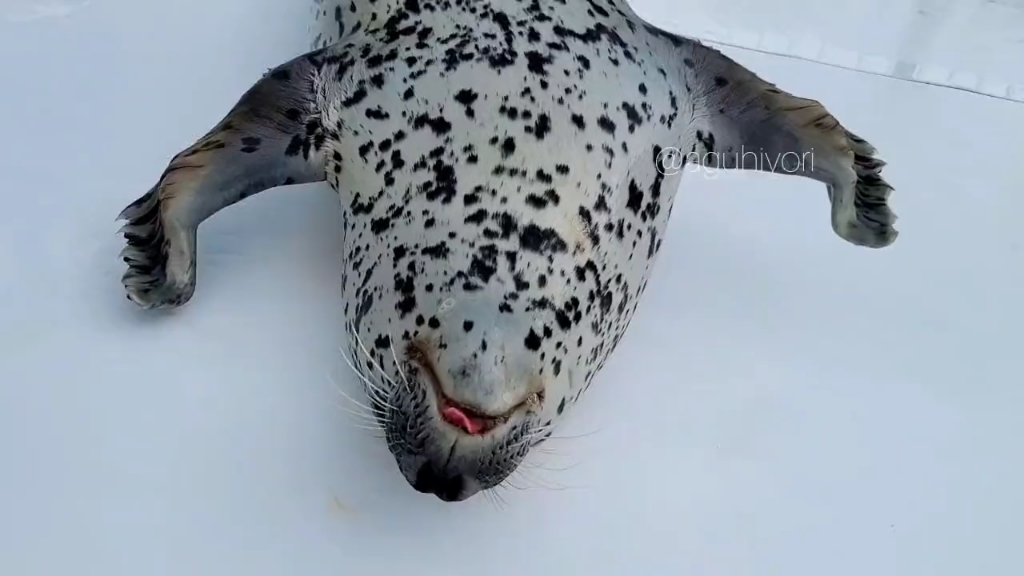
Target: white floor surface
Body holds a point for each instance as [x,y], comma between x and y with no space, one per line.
[784,404]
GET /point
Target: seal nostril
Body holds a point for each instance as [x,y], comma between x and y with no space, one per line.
[426,480]
[446,487]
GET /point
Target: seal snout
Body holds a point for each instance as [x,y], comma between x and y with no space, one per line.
[467,420]
[475,396]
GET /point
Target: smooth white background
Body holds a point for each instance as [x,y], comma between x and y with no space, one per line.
[784,404]
[972,44]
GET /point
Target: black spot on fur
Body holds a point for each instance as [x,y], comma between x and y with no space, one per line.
[532,341]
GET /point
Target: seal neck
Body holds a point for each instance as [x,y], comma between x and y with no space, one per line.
[339,18]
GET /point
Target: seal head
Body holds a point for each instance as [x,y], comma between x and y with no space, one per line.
[459,395]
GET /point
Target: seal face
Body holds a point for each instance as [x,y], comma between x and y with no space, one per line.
[507,170]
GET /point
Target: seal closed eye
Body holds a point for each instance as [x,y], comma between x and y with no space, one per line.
[503,168]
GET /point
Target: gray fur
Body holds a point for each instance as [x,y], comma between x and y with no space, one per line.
[501,167]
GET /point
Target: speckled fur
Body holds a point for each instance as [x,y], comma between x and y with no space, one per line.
[499,166]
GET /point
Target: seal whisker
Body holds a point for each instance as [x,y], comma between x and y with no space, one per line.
[373,360]
[574,436]
[542,434]
[496,498]
[369,417]
[519,443]
[348,412]
[548,451]
[370,425]
[378,395]
[545,467]
[358,372]
[489,495]
[543,450]
[508,483]
[535,436]
[373,390]
[398,365]
[365,411]
[537,481]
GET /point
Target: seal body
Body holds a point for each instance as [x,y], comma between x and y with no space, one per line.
[507,170]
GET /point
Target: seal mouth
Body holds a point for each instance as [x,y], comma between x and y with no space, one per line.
[466,419]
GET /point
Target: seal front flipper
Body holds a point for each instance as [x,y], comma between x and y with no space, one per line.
[744,122]
[270,138]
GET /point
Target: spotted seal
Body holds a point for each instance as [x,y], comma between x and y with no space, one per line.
[502,167]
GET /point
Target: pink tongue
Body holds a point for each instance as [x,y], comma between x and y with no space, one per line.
[459,418]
